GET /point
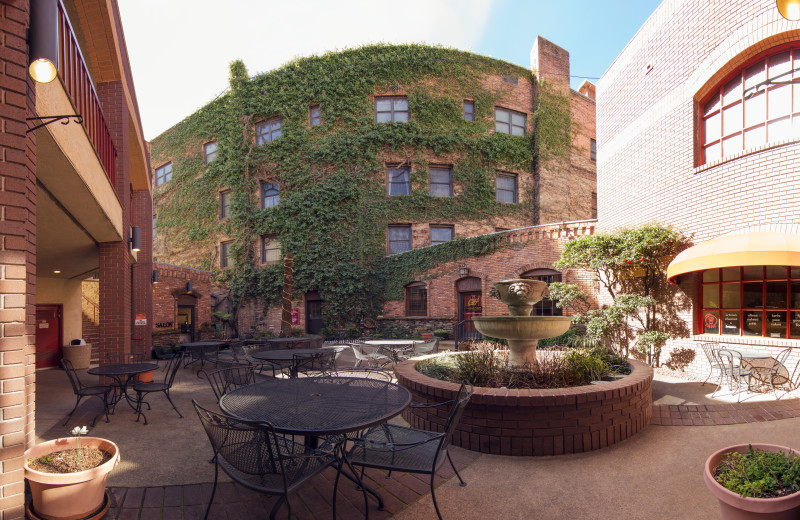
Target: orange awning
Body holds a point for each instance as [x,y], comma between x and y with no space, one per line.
[756,248]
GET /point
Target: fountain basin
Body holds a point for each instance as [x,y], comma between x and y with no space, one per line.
[522,333]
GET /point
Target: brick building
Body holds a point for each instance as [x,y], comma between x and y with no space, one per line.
[701,134]
[417,164]
[181,304]
[71,196]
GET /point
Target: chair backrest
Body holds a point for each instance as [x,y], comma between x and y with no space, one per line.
[172,368]
[729,360]
[365,352]
[711,350]
[224,380]
[426,347]
[322,361]
[66,364]
[459,403]
[249,448]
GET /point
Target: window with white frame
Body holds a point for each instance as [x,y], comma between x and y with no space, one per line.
[509,121]
[394,108]
[163,174]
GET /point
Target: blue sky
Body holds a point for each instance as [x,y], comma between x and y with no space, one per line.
[180,49]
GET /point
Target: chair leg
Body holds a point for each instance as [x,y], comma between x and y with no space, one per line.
[173,404]
[213,489]
[277,506]
[139,413]
[73,410]
[461,480]
[433,496]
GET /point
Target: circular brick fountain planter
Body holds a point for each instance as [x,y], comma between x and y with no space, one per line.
[536,422]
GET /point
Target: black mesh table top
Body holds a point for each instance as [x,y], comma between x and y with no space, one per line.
[317,405]
[286,354]
[204,344]
[287,342]
[124,369]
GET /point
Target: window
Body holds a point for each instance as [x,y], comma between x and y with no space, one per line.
[750,301]
[592,149]
[398,181]
[469,110]
[269,195]
[545,306]
[594,204]
[209,152]
[441,182]
[225,204]
[391,109]
[269,130]
[164,174]
[416,299]
[270,249]
[747,111]
[314,116]
[505,186]
[399,239]
[441,234]
[509,121]
[511,80]
[225,260]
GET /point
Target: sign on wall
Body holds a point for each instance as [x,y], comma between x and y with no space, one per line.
[295,316]
[141,319]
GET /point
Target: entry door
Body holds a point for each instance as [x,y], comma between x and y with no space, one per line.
[469,305]
[314,322]
[48,335]
[186,320]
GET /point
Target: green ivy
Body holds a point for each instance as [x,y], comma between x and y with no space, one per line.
[333,210]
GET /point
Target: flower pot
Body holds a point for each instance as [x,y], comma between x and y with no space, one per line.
[736,507]
[69,495]
[79,355]
[427,335]
[145,377]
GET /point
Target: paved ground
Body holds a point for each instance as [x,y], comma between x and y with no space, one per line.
[164,472]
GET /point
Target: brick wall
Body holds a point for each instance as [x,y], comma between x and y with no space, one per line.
[171,286]
[646,132]
[17,259]
[142,216]
[527,422]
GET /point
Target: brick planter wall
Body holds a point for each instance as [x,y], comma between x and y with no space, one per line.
[536,422]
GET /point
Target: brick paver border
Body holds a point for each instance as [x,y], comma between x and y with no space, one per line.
[729,413]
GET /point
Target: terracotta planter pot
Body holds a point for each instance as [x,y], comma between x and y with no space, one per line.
[736,507]
[69,495]
[145,377]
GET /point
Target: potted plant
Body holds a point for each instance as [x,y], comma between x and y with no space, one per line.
[441,333]
[68,476]
[755,481]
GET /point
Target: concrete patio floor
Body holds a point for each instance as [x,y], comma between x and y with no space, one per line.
[164,471]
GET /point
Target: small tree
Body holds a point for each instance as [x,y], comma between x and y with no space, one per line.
[631,266]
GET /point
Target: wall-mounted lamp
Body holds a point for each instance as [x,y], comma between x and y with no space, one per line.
[789,9]
[155,275]
[43,59]
[188,287]
[463,270]
[136,238]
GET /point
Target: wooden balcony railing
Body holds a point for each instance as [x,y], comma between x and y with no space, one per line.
[76,79]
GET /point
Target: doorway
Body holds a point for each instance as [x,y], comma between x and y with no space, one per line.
[470,303]
[48,335]
[186,320]
[314,323]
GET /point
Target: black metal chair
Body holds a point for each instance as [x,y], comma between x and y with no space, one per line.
[142,389]
[224,380]
[81,391]
[398,448]
[320,363]
[256,458]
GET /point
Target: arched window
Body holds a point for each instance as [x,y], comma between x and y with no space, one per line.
[545,307]
[416,299]
[757,105]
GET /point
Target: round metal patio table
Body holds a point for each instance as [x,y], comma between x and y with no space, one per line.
[199,349]
[120,371]
[394,347]
[316,406]
[287,357]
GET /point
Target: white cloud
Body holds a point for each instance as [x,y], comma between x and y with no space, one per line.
[180,49]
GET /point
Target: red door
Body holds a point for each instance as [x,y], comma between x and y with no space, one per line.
[469,305]
[48,335]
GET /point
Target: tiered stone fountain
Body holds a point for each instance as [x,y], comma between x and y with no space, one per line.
[522,330]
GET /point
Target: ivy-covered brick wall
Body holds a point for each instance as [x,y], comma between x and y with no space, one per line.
[334,209]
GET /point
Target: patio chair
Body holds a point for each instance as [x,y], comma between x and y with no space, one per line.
[773,373]
[422,349]
[399,448]
[255,457]
[224,380]
[260,365]
[235,353]
[710,350]
[81,391]
[142,389]
[733,372]
[317,364]
[369,354]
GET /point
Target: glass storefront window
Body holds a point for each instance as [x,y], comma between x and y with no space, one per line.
[751,301]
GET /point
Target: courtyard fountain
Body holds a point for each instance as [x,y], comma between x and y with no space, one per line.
[521,330]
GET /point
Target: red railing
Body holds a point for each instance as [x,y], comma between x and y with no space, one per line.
[76,79]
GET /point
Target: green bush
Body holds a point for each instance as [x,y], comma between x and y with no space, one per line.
[562,340]
[759,474]
[441,333]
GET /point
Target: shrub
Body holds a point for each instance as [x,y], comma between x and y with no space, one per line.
[562,340]
[441,333]
[759,474]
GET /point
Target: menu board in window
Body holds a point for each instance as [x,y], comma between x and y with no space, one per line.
[730,322]
[794,326]
[752,323]
[711,322]
[776,324]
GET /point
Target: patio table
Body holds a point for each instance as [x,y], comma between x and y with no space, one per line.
[284,343]
[393,347]
[117,373]
[290,357]
[199,350]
